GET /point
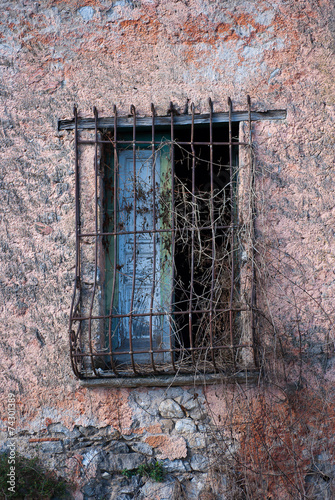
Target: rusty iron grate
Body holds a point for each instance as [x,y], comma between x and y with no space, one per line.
[158,242]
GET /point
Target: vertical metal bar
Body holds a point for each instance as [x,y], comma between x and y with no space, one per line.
[73,338]
[212,228]
[133,112]
[253,214]
[96,237]
[232,214]
[192,238]
[171,333]
[154,230]
[115,213]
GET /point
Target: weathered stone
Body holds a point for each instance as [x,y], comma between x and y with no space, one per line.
[59,428]
[52,447]
[118,447]
[143,448]
[199,463]
[89,489]
[176,466]
[171,447]
[170,409]
[167,425]
[128,437]
[82,444]
[185,426]
[197,414]
[192,405]
[189,399]
[203,427]
[163,491]
[196,440]
[88,431]
[74,433]
[118,462]
[97,437]
[194,408]
[106,432]
[132,484]
[92,456]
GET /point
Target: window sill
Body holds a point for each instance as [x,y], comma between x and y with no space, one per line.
[250,376]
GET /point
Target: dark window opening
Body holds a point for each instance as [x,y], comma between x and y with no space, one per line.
[193,252]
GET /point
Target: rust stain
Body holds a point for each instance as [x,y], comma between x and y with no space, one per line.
[42,440]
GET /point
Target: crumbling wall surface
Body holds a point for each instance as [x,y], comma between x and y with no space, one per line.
[271,441]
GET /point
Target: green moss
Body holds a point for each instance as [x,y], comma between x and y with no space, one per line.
[153,470]
[32,481]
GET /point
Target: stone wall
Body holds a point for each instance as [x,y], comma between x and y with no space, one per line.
[170,427]
[218,440]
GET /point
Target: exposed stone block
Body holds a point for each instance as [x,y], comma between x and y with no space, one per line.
[168,447]
[185,426]
[59,428]
[52,447]
[118,447]
[143,448]
[176,466]
[167,425]
[170,409]
[120,461]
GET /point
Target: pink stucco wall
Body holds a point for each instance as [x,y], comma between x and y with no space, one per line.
[97,52]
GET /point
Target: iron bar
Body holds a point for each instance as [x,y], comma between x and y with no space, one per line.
[253,217]
[73,338]
[232,214]
[153,173]
[190,323]
[115,198]
[95,112]
[88,142]
[158,351]
[133,113]
[172,111]
[213,261]
[149,231]
[176,313]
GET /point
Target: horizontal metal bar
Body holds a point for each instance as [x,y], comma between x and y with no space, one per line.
[180,143]
[165,121]
[161,351]
[109,379]
[154,231]
[141,315]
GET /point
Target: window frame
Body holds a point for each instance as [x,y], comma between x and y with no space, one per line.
[80,352]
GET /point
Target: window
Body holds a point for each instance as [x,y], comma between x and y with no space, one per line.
[163,215]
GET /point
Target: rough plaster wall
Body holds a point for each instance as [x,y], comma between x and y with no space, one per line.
[92,52]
